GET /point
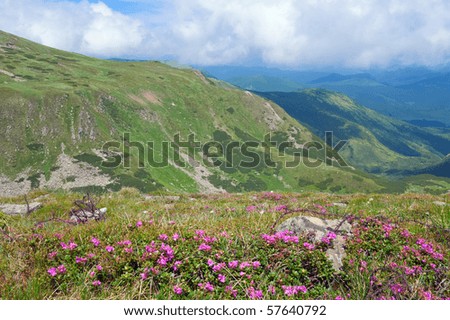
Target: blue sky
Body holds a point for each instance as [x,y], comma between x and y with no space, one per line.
[286,33]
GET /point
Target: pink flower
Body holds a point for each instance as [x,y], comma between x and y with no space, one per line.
[175,237]
[51,255]
[218,267]
[52,272]
[211,263]
[308,246]
[200,233]
[139,224]
[124,243]
[162,261]
[99,268]
[397,288]
[72,245]
[281,208]
[363,265]
[256,264]
[338,298]
[109,248]
[271,290]
[231,291]
[254,294]
[250,208]
[233,264]
[204,247]
[95,242]
[96,283]
[163,237]
[171,222]
[64,246]
[221,278]
[177,290]
[427,295]
[176,265]
[244,265]
[405,233]
[61,269]
[128,250]
[206,286]
[80,260]
[144,275]
[293,290]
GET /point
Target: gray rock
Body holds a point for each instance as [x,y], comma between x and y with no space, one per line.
[155,198]
[14,209]
[340,204]
[316,229]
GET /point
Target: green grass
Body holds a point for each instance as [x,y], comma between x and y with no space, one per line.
[233,226]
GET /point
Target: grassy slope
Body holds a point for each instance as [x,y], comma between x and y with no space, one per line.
[379,242]
[58,100]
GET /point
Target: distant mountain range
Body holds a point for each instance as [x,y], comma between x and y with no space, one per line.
[411,94]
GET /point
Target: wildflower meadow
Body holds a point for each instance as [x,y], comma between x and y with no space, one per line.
[226,247]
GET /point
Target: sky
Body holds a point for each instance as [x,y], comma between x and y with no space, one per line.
[291,34]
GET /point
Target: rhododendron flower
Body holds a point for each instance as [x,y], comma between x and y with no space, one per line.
[231,291]
[221,278]
[204,247]
[176,265]
[271,289]
[95,242]
[405,233]
[293,290]
[96,283]
[61,269]
[206,286]
[163,237]
[80,260]
[397,288]
[52,272]
[72,245]
[281,208]
[177,290]
[218,267]
[109,248]
[200,233]
[254,294]
[308,246]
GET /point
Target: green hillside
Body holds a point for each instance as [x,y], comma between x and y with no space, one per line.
[58,109]
[376,143]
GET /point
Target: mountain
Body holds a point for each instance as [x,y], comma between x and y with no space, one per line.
[376,143]
[77,123]
[411,94]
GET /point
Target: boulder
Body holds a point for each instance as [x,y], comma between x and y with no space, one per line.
[14,209]
[316,229]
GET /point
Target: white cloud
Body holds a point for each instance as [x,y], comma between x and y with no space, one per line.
[89,28]
[351,33]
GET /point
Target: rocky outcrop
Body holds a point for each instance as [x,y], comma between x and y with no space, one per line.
[316,229]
